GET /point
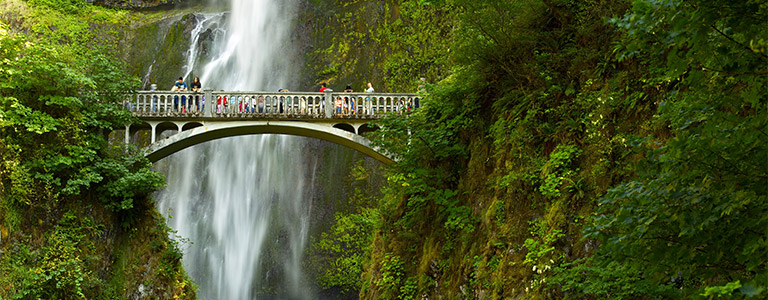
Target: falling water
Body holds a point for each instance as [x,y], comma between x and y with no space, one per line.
[205,22]
[243,202]
[253,56]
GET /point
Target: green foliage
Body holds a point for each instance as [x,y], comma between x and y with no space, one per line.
[698,205]
[428,146]
[64,6]
[128,178]
[414,38]
[58,270]
[393,279]
[612,281]
[170,262]
[60,88]
[725,290]
[52,123]
[509,131]
[349,242]
[655,121]
[540,244]
[389,43]
[556,170]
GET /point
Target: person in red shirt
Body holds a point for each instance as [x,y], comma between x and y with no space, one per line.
[323,88]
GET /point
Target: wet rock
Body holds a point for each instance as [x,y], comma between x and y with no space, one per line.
[142,292]
[589,246]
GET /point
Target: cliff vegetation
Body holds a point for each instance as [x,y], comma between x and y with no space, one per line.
[76,218]
[566,149]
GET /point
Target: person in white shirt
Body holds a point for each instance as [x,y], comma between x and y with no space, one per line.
[369,100]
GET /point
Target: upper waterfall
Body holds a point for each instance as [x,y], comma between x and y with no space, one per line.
[252,54]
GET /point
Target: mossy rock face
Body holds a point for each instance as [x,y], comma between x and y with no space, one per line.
[142,4]
[157,51]
[388,43]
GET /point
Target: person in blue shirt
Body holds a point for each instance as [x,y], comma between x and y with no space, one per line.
[153,87]
[179,86]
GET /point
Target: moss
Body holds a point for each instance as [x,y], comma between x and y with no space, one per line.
[161,46]
[388,43]
[146,256]
[111,261]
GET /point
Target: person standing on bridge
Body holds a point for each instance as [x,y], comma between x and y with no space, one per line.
[179,86]
[422,91]
[197,87]
[339,104]
[349,102]
[323,87]
[369,100]
[285,100]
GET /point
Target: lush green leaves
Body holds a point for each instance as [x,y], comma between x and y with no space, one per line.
[349,243]
[611,281]
[52,125]
[59,99]
[562,108]
[58,270]
[698,207]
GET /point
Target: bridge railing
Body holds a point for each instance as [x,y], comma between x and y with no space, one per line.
[222,104]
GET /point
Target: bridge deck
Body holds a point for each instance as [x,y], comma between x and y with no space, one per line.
[265,105]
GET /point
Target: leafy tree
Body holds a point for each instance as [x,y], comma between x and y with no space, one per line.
[58,103]
[695,217]
[54,117]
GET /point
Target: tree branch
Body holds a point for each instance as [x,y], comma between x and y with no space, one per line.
[734,73]
[735,41]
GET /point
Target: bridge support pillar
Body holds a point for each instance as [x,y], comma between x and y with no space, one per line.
[153,125]
[127,134]
[208,95]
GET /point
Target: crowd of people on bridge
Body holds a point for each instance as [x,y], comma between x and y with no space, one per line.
[343,105]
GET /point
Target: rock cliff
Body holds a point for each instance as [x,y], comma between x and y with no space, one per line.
[141,4]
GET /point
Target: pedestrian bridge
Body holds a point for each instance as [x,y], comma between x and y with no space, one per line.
[178,120]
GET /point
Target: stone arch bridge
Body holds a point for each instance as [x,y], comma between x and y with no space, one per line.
[341,118]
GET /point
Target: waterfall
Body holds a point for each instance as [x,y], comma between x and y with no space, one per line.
[229,198]
[253,55]
[244,202]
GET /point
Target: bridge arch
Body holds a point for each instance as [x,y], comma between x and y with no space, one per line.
[345,127]
[215,130]
[190,125]
[159,128]
[134,131]
[365,128]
